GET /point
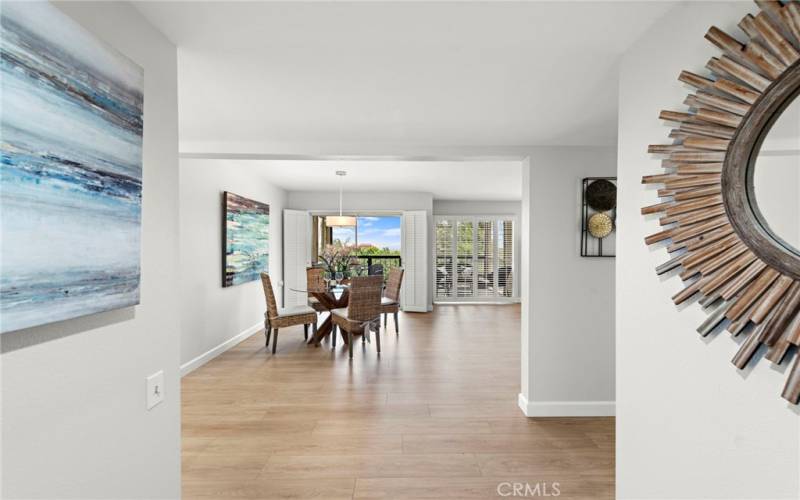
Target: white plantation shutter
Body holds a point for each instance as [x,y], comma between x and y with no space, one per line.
[444,252]
[296,255]
[505,252]
[474,258]
[414,249]
[485,262]
[465,259]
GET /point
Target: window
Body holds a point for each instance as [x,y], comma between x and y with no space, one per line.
[474,258]
[381,232]
[376,238]
[344,236]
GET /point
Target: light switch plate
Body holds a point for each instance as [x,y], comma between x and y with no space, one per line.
[155,389]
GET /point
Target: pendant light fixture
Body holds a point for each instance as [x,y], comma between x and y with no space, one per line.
[340,220]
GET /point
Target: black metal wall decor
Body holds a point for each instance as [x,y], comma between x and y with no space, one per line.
[598,216]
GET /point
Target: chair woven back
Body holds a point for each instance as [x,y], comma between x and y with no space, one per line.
[393,283]
[272,305]
[365,298]
[315,279]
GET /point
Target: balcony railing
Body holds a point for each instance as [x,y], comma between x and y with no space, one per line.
[387,261]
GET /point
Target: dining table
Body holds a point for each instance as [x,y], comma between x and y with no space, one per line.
[330,297]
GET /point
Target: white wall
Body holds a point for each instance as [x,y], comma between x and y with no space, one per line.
[210,314]
[477,207]
[571,317]
[488,207]
[689,425]
[361,202]
[74,422]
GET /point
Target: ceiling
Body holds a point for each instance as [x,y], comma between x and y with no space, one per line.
[428,73]
[446,180]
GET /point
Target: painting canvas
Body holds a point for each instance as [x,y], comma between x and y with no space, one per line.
[246,239]
[71,170]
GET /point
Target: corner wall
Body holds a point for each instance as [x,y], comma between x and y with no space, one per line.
[74,422]
[689,424]
[213,317]
[570,316]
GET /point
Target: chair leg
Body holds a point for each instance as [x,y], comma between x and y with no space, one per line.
[305,331]
[274,340]
[267,332]
[378,336]
[385,318]
[314,328]
[350,343]
[364,334]
[333,337]
[396,324]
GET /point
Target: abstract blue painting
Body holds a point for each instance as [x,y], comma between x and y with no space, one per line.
[70,170]
[246,240]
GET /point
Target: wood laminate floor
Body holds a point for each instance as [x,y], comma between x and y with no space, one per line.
[435,416]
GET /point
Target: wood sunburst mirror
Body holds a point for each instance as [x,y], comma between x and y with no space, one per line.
[745,277]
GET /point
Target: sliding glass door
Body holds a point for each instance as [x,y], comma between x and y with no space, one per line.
[474,258]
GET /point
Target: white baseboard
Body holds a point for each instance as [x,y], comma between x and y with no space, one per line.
[566,408]
[212,353]
[419,309]
[504,302]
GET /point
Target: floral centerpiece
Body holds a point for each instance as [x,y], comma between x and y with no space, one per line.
[338,258]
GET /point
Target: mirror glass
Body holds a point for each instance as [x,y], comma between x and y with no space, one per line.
[776,179]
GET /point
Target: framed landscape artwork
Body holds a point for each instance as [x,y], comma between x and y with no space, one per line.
[245,239]
[71,170]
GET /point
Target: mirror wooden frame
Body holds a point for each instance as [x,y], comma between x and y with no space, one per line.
[745,277]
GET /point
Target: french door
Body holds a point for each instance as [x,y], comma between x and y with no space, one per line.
[474,258]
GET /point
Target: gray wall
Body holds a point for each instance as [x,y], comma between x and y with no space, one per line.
[571,301]
[682,407]
[74,422]
[211,314]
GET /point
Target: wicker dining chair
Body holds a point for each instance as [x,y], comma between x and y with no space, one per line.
[315,280]
[390,302]
[363,311]
[276,318]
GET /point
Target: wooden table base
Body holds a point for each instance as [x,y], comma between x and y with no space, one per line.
[329,301]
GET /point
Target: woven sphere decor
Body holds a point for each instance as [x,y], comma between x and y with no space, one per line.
[601,195]
[743,277]
[600,225]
